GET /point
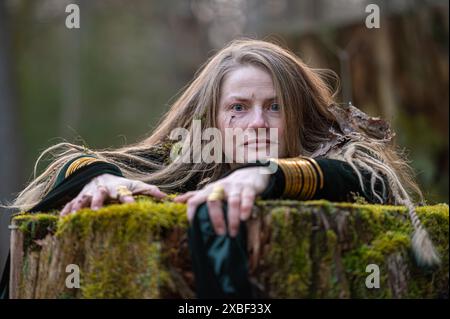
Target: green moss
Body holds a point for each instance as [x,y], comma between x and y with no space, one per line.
[35,227]
[289,253]
[315,249]
[384,231]
[371,234]
[384,245]
[111,238]
[117,275]
[132,218]
[377,252]
[129,228]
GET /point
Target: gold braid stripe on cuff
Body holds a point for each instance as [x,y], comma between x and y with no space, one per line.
[318,170]
[77,164]
[303,176]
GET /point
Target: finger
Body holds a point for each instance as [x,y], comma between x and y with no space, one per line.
[155,192]
[99,197]
[122,198]
[126,199]
[234,205]
[146,189]
[184,197]
[247,201]
[67,208]
[193,203]
[80,202]
[215,212]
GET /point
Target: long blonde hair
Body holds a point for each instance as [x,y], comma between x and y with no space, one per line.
[319,125]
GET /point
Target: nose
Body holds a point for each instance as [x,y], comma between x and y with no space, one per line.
[258,119]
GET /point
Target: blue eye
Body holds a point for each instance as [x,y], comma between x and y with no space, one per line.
[275,107]
[237,107]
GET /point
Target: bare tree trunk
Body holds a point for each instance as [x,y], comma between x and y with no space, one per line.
[384,67]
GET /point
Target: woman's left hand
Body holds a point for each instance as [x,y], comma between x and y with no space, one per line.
[240,190]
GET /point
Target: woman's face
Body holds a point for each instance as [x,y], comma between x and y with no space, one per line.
[248,106]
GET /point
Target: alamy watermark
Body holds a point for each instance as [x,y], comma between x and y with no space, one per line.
[73,17]
[373,19]
[373,279]
[73,279]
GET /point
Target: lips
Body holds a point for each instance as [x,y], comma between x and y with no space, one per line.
[257,142]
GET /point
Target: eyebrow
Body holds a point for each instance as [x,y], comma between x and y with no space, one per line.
[246,99]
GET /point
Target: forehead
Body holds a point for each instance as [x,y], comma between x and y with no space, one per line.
[249,81]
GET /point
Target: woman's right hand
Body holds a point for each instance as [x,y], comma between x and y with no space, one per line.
[99,189]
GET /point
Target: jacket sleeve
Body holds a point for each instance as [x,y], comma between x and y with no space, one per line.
[71,179]
[321,178]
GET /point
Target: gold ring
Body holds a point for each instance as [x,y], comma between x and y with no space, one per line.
[217,193]
[123,191]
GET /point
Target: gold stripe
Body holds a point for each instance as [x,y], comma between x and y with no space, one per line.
[74,166]
[297,179]
[302,177]
[319,170]
[86,162]
[77,164]
[289,174]
[307,181]
[312,181]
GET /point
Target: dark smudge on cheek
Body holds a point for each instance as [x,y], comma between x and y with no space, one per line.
[230,120]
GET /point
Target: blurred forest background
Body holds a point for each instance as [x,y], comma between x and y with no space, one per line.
[107,83]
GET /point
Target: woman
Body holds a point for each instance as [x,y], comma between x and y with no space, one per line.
[267,93]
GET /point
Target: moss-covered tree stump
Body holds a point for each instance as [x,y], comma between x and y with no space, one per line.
[296,250]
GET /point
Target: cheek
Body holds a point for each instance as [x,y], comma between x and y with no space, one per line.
[279,124]
[220,121]
[226,120]
[281,137]
[283,146]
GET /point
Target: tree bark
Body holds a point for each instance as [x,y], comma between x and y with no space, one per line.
[296,250]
